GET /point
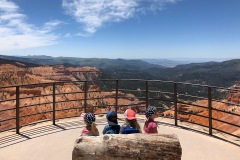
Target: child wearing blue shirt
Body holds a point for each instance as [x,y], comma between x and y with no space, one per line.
[131,125]
[112,127]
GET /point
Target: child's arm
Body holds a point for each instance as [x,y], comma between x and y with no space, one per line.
[122,129]
[154,127]
[81,132]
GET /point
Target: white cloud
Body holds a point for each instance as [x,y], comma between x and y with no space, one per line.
[68,35]
[83,34]
[93,14]
[157,5]
[8,6]
[16,33]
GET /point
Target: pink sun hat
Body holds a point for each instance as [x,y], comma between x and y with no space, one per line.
[130,114]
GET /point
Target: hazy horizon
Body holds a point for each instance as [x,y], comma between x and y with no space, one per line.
[173,59]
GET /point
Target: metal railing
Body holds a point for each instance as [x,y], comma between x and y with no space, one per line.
[116,87]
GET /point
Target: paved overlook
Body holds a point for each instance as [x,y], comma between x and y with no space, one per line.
[46,141]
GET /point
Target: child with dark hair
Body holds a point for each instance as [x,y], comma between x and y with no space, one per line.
[112,127]
[150,125]
[90,129]
[131,125]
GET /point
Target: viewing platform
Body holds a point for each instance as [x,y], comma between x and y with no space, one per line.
[36,120]
[55,142]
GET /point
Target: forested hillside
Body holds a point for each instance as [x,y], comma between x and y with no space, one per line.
[222,74]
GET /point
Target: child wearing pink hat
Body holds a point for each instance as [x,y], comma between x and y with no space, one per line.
[131,125]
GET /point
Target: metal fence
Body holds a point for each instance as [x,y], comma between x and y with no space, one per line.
[147,92]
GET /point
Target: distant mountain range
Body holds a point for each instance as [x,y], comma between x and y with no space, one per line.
[17,63]
[178,61]
[224,73]
[101,63]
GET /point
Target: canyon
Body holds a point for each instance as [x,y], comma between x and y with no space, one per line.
[36,101]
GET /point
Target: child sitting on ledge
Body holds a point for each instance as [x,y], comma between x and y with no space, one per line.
[150,126]
[112,127]
[90,129]
[131,125]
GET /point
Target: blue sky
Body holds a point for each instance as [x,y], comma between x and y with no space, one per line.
[121,28]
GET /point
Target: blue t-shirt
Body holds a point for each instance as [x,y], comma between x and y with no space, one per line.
[114,129]
[125,129]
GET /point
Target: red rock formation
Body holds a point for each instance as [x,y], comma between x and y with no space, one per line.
[39,104]
[232,97]
[12,75]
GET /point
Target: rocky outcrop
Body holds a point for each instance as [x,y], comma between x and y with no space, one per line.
[232,97]
[68,105]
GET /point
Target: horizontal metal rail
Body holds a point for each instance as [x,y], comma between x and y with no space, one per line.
[193,114]
[160,99]
[180,102]
[35,114]
[143,80]
[130,90]
[161,92]
[191,96]
[7,110]
[228,103]
[226,122]
[66,101]
[226,133]
[135,104]
[42,95]
[92,91]
[100,98]
[219,110]
[7,100]
[227,89]
[195,123]
[65,109]
[9,129]
[141,97]
[8,119]
[4,87]
[63,93]
[148,98]
[32,105]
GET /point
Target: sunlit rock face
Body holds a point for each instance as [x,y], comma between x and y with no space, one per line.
[19,75]
[232,97]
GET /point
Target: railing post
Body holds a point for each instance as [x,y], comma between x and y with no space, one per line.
[210,110]
[54,104]
[175,104]
[146,85]
[85,96]
[116,98]
[17,111]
